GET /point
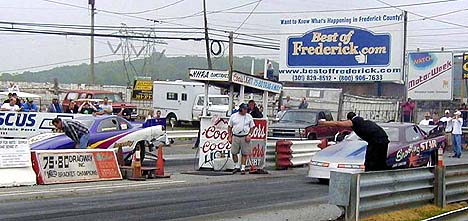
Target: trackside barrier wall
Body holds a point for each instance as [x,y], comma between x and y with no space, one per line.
[368,193]
[15,163]
[295,153]
[75,165]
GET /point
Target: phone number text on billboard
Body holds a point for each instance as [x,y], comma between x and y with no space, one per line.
[341,75]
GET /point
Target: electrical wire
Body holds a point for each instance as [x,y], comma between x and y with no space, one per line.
[344,10]
[151,10]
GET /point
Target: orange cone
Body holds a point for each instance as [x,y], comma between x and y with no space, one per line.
[440,157]
[120,160]
[160,164]
[136,166]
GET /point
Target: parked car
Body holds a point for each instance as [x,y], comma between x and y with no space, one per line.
[106,131]
[80,95]
[298,124]
[410,146]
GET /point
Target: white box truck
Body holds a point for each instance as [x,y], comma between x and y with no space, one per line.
[182,101]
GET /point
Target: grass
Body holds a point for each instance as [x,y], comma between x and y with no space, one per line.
[415,214]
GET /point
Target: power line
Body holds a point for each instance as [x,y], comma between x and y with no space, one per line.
[248,16]
[151,10]
[343,10]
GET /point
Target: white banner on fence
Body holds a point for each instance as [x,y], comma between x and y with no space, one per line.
[214,144]
[355,46]
[430,75]
[15,163]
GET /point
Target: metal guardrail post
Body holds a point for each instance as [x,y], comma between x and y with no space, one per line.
[439,187]
[344,191]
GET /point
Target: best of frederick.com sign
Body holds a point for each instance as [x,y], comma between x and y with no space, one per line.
[344,47]
[430,75]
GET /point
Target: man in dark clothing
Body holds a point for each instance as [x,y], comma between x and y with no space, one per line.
[10,95]
[373,134]
[125,112]
[253,110]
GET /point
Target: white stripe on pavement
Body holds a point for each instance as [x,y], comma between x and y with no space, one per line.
[87,188]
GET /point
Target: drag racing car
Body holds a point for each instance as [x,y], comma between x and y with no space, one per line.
[106,131]
[410,146]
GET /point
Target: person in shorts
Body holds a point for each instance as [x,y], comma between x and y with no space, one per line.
[240,129]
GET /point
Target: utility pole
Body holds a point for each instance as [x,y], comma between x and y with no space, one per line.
[231,67]
[91,62]
[207,40]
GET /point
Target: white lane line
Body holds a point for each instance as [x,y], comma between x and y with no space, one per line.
[88,188]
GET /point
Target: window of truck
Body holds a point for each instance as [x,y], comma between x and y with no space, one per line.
[72,96]
[299,117]
[111,96]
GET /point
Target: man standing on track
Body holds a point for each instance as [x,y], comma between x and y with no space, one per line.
[240,129]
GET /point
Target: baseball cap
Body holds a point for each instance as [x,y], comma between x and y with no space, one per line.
[447,111]
[457,113]
[243,106]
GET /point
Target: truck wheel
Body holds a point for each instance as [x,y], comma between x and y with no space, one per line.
[171,119]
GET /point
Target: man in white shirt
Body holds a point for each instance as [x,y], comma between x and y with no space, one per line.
[11,106]
[456,133]
[448,128]
[105,107]
[240,129]
[427,119]
[281,112]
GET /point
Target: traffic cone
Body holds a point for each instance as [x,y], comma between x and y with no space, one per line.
[136,166]
[254,170]
[160,164]
[440,157]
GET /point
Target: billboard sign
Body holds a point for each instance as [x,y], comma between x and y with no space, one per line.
[142,90]
[430,75]
[350,47]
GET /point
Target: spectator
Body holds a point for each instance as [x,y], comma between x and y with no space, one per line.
[75,130]
[125,112]
[408,108]
[105,107]
[427,119]
[10,95]
[150,115]
[234,109]
[448,128]
[87,108]
[281,112]
[72,108]
[304,104]
[55,106]
[456,133]
[435,121]
[18,100]
[464,113]
[13,87]
[253,110]
[30,106]
[11,106]
[288,103]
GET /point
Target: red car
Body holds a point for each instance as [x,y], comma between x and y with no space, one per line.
[116,99]
[302,124]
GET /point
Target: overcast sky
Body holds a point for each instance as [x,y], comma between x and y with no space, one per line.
[22,52]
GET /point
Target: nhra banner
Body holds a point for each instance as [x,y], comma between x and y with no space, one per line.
[68,166]
[349,47]
[430,75]
[465,66]
[214,143]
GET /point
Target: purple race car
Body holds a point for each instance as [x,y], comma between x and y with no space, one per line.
[410,146]
[107,131]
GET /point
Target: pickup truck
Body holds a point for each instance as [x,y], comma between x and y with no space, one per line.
[302,124]
[115,98]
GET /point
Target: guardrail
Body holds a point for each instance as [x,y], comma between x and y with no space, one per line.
[174,134]
[295,153]
[363,194]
